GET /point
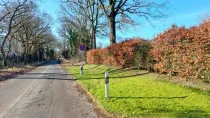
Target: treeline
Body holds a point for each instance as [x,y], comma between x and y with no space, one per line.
[177,51]
[84,21]
[25,32]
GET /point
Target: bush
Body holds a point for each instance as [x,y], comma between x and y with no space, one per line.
[178,51]
[205,76]
[121,54]
[142,57]
[183,51]
[94,56]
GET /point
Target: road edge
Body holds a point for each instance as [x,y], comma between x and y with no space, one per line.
[97,108]
[100,112]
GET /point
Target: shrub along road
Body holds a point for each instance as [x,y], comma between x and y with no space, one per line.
[45,92]
[135,93]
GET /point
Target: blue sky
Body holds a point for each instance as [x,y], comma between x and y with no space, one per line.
[182,12]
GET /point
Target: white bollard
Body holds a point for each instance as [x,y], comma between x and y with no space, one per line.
[106,85]
[81,70]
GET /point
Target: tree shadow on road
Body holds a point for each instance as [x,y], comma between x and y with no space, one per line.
[55,74]
[47,76]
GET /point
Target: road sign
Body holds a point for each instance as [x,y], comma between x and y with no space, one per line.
[82,47]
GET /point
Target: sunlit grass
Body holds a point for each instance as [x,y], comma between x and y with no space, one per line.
[136,93]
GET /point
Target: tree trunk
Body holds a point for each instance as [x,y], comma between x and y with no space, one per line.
[25,56]
[4,61]
[93,39]
[112,26]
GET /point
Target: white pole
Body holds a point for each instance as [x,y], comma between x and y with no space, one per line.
[81,70]
[106,85]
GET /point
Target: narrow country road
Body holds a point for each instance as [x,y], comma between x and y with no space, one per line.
[46,92]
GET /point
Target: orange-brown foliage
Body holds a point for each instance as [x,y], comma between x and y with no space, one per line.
[178,51]
[120,54]
[183,51]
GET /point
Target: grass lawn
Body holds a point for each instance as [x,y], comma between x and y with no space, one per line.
[136,93]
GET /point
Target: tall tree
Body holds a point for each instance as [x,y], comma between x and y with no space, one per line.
[35,31]
[11,10]
[128,11]
[91,12]
[75,29]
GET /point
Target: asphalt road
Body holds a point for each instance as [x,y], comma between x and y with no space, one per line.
[46,92]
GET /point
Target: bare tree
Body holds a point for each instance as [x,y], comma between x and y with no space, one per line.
[91,12]
[3,4]
[35,31]
[25,31]
[128,10]
[75,28]
[12,11]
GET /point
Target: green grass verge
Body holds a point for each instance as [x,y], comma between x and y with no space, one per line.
[134,93]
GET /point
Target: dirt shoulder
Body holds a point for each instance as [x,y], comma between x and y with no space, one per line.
[15,71]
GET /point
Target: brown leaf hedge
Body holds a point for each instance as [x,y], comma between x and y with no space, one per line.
[177,51]
[121,54]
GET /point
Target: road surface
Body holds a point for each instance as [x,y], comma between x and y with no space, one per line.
[46,92]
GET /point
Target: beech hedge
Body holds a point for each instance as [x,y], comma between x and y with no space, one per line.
[121,54]
[183,51]
[177,51]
